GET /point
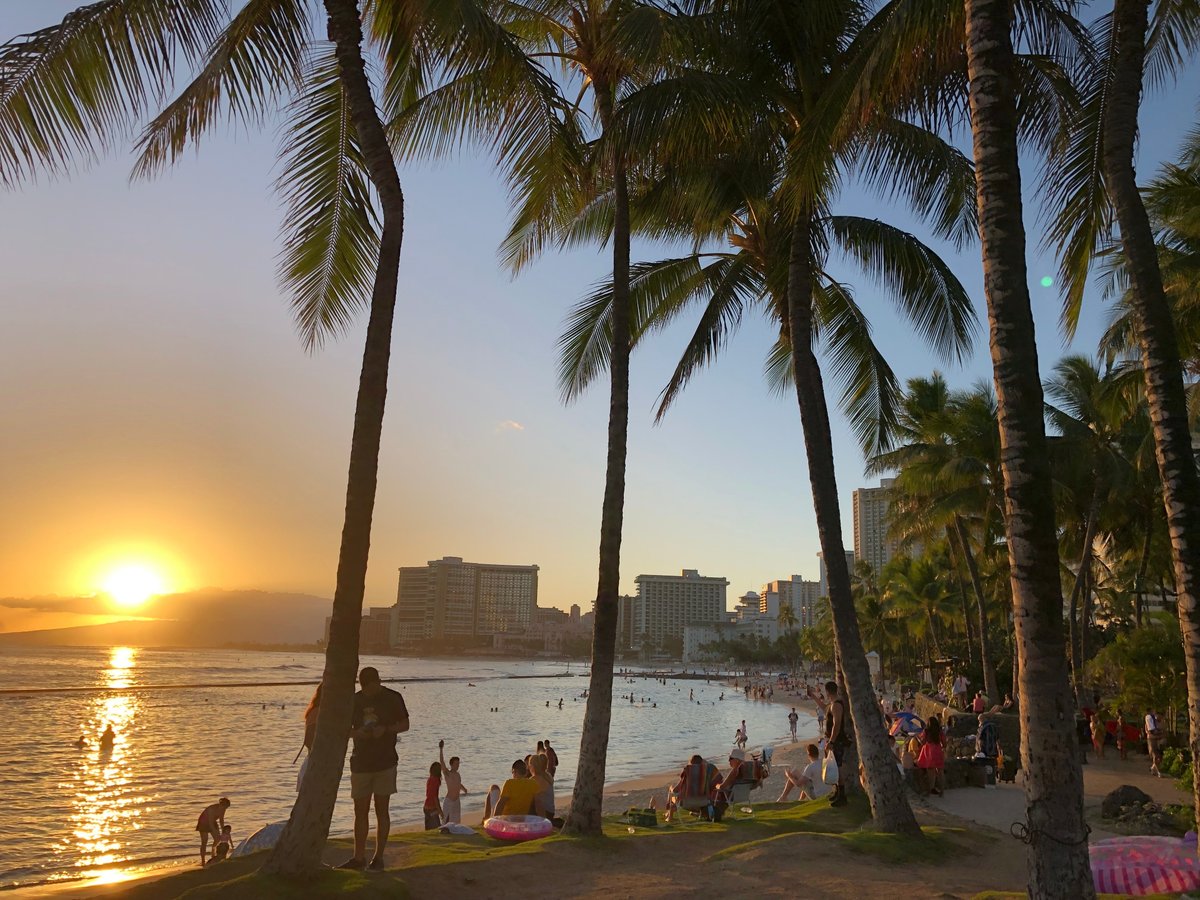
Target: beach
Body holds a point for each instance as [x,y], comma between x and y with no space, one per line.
[84,814]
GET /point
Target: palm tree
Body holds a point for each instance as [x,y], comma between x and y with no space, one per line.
[1058,856]
[1095,182]
[766,79]
[72,89]
[607,46]
[787,616]
[948,482]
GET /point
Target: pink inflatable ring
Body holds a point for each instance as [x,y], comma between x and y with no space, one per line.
[518,828]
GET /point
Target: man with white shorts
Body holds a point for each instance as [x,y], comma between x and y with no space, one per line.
[379,715]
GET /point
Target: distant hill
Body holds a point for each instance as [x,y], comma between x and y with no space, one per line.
[200,619]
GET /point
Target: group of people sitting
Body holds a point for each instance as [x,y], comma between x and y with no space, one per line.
[703,790]
[530,791]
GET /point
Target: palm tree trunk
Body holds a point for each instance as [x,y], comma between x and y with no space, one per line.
[1155,333]
[1139,579]
[587,801]
[889,805]
[1058,854]
[1079,593]
[990,686]
[299,849]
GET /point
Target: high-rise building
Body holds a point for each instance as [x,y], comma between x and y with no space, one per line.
[666,603]
[452,598]
[801,595]
[871,522]
[823,584]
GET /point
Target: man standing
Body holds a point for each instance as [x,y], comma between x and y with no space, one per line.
[793,718]
[379,715]
[959,700]
[837,740]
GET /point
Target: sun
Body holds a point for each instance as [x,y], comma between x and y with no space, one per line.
[133,584]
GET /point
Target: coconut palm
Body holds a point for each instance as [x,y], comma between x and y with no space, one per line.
[717,137]
[787,616]
[1095,183]
[606,47]
[1058,856]
[73,90]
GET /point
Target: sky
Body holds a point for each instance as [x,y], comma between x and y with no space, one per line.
[159,406]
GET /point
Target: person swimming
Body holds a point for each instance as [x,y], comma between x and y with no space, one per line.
[108,738]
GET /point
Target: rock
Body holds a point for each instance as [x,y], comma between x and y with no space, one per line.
[1126,795]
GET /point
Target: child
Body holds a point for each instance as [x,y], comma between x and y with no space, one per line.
[454,786]
[489,805]
[433,804]
[224,842]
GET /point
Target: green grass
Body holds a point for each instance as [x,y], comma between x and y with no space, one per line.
[329,883]
[237,879]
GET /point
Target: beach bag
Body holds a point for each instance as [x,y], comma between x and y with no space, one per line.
[829,769]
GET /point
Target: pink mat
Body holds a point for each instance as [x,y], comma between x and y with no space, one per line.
[1145,865]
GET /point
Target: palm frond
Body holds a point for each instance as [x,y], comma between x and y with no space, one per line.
[936,178]
[927,293]
[1075,184]
[658,292]
[255,60]
[331,229]
[1172,38]
[69,91]
[871,393]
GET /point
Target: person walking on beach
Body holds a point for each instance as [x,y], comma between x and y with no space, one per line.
[379,716]
[793,718]
[1154,742]
[454,786]
[210,824]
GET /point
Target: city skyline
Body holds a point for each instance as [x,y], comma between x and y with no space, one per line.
[162,409]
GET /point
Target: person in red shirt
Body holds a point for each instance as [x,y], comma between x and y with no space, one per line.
[433,804]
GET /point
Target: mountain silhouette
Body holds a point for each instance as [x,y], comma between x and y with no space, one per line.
[207,618]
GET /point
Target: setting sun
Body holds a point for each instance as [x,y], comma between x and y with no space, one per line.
[132,585]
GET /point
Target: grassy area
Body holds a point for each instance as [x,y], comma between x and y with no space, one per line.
[236,879]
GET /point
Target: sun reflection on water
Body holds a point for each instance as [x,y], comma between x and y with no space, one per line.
[107,805]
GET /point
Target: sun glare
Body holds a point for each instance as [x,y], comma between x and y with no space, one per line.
[132,585]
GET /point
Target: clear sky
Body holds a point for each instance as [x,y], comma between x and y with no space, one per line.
[159,406]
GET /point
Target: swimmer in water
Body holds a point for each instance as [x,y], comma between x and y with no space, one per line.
[108,738]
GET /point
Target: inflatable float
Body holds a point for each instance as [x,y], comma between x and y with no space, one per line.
[518,828]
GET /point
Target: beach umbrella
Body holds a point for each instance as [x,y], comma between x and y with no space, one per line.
[263,839]
[1145,864]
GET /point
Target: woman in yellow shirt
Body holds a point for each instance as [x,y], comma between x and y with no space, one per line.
[518,793]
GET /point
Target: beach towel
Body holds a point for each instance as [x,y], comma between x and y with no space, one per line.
[1145,865]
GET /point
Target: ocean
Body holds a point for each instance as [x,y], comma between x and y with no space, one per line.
[223,725]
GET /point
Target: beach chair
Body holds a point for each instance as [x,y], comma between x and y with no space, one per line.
[699,789]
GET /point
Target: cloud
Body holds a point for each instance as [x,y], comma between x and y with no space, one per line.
[510,425]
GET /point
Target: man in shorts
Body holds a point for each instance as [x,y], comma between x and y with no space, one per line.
[379,715]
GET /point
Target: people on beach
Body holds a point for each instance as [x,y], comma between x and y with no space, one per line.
[455,791]
[379,715]
[518,794]
[489,803]
[210,824]
[433,803]
[837,739]
[697,790]
[793,718]
[961,685]
[1098,733]
[222,846]
[979,704]
[808,781]
[1154,742]
[741,737]
[932,758]
[543,800]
